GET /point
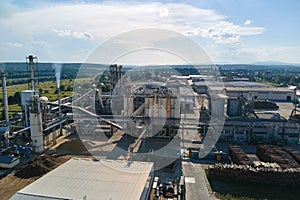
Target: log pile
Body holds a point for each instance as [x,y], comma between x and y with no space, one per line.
[246,173]
[270,153]
[295,154]
[238,156]
[265,165]
[265,104]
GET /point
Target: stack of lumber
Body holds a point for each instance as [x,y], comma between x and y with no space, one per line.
[238,156]
[274,154]
[295,154]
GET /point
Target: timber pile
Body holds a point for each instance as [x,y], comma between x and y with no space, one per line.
[266,165]
[238,156]
[295,154]
[296,117]
[270,153]
[265,104]
[246,173]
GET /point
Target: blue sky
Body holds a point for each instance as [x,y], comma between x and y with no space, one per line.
[230,31]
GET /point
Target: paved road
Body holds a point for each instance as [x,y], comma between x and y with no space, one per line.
[195,178]
[195,183]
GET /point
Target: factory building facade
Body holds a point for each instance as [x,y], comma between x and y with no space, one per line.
[264,93]
[260,131]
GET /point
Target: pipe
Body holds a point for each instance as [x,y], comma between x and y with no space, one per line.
[55,124]
[5,102]
[20,131]
[91,114]
[81,97]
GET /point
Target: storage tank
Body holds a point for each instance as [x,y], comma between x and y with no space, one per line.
[176,108]
[218,103]
[26,96]
[36,129]
[234,107]
[36,132]
[168,106]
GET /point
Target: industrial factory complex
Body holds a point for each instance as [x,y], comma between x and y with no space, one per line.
[145,138]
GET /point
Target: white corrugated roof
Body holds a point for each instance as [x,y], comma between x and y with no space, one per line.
[85,178]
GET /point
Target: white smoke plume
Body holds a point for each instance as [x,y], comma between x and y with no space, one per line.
[57,68]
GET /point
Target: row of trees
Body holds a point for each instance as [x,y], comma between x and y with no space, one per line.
[16,98]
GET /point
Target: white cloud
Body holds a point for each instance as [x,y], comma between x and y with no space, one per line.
[248,22]
[107,19]
[164,12]
[14,44]
[100,21]
[75,34]
[226,32]
[39,42]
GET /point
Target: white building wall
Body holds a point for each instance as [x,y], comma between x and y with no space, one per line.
[263,95]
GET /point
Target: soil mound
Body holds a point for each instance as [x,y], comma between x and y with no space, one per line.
[37,167]
[73,145]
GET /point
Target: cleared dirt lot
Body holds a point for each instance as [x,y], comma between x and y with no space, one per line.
[29,173]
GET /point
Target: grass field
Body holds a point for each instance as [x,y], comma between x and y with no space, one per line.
[269,83]
[47,89]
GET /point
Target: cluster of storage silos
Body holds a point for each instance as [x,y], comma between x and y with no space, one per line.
[151,105]
[234,107]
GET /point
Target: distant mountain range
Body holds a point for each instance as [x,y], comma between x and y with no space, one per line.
[275,63]
[72,68]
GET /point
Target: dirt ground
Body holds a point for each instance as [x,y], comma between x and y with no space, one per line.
[72,145]
[29,173]
[66,147]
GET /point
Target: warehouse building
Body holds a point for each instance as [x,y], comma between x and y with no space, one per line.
[90,179]
[256,90]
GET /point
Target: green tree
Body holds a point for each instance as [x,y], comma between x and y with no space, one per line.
[62,88]
[69,88]
[17,98]
[10,100]
[292,80]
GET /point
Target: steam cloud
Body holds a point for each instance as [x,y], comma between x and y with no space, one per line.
[57,68]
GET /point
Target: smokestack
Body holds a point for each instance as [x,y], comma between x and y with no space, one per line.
[4,91]
[59,110]
[57,68]
[31,68]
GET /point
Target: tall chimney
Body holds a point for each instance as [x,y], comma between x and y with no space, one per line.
[59,110]
[4,91]
[31,68]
